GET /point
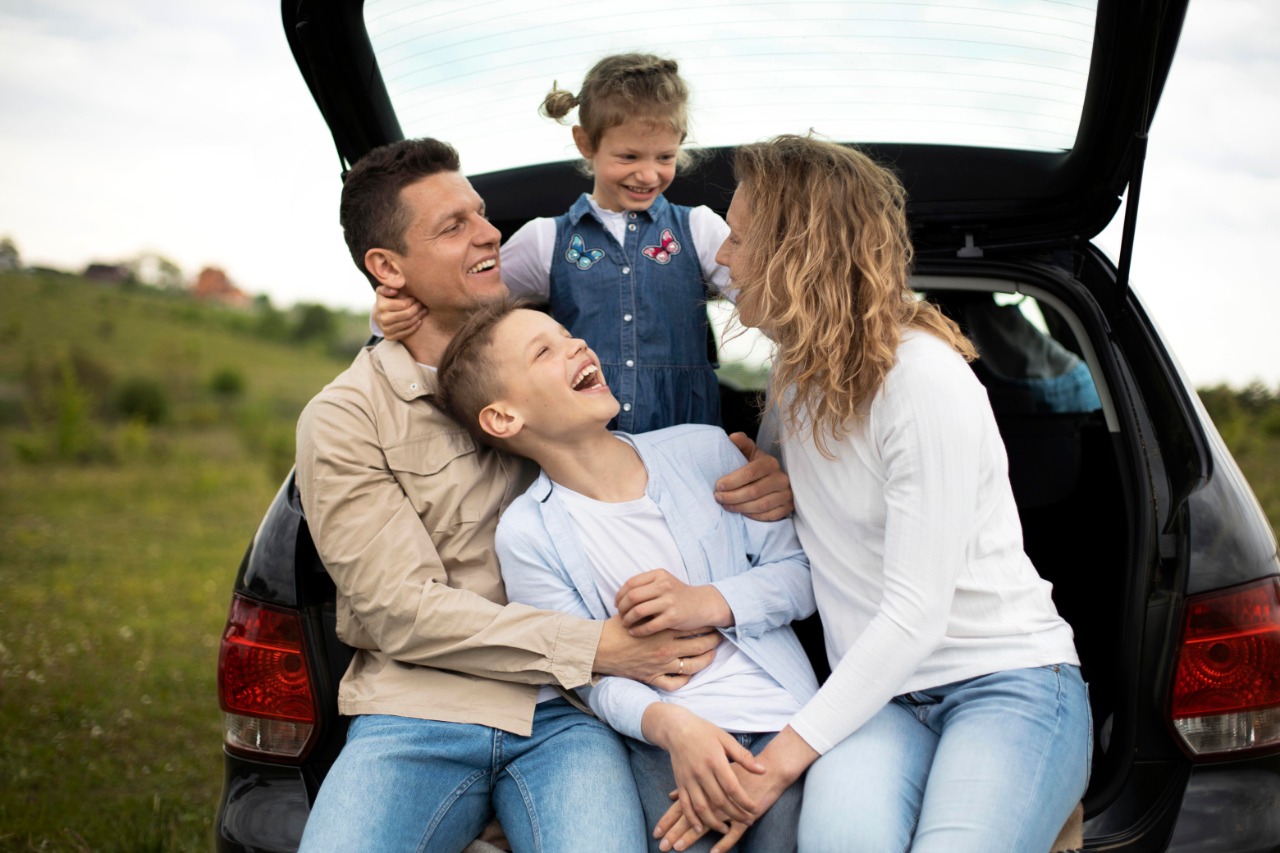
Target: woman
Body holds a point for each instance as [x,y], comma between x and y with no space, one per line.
[955,718]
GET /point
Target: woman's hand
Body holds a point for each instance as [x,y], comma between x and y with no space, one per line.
[781,763]
[707,787]
[760,489]
[656,600]
[397,316]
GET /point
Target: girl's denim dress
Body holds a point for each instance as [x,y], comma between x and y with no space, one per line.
[642,307]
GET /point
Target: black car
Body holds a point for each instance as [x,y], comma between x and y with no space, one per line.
[1016,131]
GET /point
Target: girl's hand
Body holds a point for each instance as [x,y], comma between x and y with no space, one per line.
[397,316]
[707,788]
[760,490]
[655,601]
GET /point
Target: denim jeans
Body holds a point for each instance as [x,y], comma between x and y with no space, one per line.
[404,784]
[995,763]
[774,832]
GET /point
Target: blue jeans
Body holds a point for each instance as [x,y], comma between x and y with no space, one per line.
[774,832]
[404,784]
[993,763]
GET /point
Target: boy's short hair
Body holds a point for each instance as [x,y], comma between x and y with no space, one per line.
[467,376]
[371,212]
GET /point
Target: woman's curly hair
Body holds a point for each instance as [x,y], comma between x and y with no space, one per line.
[823,262]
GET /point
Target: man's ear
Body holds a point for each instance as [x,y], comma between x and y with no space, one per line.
[500,421]
[584,144]
[384,265]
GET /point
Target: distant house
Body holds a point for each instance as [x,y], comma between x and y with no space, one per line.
[213,285]
[108,273]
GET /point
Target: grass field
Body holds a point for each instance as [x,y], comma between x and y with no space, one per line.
[120,537]
[117,566]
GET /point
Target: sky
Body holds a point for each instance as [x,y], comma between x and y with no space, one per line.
[185,129]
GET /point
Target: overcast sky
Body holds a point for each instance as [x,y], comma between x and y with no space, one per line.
[186,129]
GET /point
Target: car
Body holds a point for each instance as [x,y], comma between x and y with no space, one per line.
[1016,131]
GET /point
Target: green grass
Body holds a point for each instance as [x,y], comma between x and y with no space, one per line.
[119,541]
[117,566]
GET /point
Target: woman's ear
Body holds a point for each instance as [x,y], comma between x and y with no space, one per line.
[500,422]
[584,144]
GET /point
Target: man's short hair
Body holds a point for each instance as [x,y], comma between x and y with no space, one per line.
[468,376]
[372,214]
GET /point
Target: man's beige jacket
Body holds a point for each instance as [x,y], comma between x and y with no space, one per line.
[402,505]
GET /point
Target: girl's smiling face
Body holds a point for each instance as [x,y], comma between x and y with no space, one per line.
[633,164]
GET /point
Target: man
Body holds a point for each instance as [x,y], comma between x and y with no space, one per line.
[402,506]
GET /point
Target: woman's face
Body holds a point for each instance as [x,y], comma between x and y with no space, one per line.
[733,256]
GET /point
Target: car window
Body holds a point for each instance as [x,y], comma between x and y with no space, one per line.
[1028,357]
[996,73]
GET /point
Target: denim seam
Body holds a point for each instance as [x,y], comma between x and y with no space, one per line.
[425,845]
[1040,769]
[529,806]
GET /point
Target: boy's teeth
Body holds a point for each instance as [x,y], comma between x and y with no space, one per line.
[586,374]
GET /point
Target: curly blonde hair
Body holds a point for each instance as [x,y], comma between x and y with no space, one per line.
[822,266]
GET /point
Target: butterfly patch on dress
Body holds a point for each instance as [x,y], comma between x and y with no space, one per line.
[579,255]
[662,253]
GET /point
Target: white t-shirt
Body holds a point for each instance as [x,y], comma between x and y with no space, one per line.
[621,540]
[915,546]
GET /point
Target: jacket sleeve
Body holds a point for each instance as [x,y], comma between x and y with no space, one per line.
[535,575]
[776,589]
[386,568]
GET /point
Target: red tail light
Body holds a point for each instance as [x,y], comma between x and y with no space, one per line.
[264,682]
[1226,693]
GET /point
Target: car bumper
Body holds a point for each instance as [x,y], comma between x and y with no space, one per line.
[264,808]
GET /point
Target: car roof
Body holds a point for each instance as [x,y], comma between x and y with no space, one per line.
[1016,181]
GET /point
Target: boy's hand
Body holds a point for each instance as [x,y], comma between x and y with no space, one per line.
[397,316]
[656,601]
[778,766]
[703,758]
[760,489]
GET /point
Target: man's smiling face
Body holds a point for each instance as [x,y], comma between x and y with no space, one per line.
[450,263]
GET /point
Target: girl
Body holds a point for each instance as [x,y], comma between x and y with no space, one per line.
[623,268]
[955,717]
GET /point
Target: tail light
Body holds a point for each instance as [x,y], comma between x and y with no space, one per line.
[264,682]
[1226,693]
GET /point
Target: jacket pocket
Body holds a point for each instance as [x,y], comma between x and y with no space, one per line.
[444,478]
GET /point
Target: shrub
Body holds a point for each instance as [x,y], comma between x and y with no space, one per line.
[315,323]
[143,399]
[227,382]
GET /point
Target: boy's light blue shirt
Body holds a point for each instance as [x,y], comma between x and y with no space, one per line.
[758,567]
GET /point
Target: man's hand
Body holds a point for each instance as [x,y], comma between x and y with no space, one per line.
[760,489]
[665,659]
[397,316]
[701,758]
[657,600]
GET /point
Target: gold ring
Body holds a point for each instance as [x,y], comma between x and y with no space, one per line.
[682,666]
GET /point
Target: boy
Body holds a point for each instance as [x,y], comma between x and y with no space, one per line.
[628,525]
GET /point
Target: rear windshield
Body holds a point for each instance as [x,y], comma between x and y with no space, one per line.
[990,73]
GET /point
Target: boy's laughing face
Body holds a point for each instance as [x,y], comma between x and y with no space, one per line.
[551,381]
